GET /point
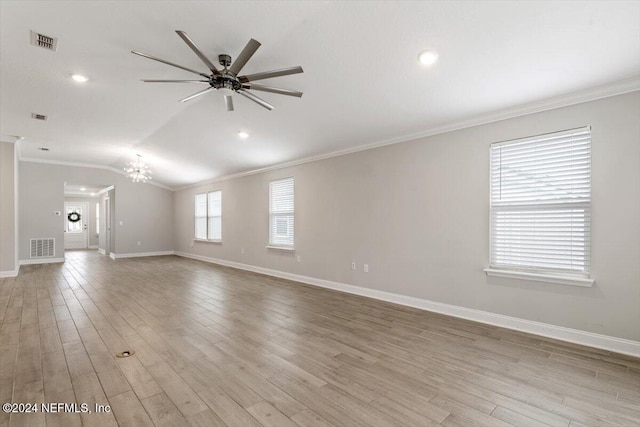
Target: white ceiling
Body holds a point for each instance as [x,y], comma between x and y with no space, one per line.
[362,82]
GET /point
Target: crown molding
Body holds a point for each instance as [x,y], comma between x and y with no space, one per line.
[87,165]
[105,190]
[573,98]
[78,194]
[578,97]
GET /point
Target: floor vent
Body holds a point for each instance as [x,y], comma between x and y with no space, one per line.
[43,248]
[43,41]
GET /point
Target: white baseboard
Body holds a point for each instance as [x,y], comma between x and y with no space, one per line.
[112,255]
[92,247]
[140,254]
[10,273]
[605,342]
[102,251]
[40,261]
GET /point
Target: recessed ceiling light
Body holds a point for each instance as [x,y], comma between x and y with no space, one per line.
[79,78]
[93,194]
[83,189]
[243,135]
[428,57]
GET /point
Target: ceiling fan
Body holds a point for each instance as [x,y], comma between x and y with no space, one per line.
[228,77]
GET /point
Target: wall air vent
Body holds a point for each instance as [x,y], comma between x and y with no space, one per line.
[38,116]
[43,248]
[46,42]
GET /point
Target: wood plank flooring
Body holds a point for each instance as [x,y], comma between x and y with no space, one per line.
[221,347]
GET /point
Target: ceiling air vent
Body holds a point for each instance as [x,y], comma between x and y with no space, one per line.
[38,116]
[44,41]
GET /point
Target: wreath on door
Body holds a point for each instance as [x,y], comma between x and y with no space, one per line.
[73,217]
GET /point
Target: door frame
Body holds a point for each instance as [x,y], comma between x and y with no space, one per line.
[107,225]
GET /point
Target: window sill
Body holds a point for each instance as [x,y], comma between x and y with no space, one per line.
[540,277]
[219,242]
[281,248]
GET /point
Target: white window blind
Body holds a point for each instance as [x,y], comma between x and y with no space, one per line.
[281,215]
[201,216]
[541,203]
[214,216]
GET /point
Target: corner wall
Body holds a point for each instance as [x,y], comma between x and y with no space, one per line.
[8,207]
[418,214]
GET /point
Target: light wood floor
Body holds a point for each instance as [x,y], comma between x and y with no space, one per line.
[221,347]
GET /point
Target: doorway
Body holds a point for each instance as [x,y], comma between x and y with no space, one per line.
[76,221]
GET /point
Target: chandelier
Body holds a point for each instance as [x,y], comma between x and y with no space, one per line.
[138,171]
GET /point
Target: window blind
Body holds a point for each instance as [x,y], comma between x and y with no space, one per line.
[201,216]
[281,212]
[540,203]
[214,215]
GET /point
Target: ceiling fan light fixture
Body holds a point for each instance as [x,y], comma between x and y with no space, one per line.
[428,57]
[138,171]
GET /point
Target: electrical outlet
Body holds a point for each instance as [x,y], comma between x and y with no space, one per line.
[366,268]
[298,258]
[353,265]
[139,243]
[242,251]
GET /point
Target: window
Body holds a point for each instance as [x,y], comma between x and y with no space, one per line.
[208,216]
[281,223]
[97,218]
[214,215]
[541,204]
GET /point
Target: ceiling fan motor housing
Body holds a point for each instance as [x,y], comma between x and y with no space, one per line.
[224,60]
[224,81]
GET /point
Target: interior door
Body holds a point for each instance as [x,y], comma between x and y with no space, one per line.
[75,225]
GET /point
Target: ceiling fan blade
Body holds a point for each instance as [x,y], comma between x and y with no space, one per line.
[273,90]
[144,55]
[228,101]
[197,51]
[202,92]
[173,81]
[244,57]
[255,99]
[270,74]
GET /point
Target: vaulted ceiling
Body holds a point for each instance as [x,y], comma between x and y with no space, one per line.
[362,83]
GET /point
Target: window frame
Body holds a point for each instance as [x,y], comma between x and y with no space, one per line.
[288,215]
[206,217]
[540,273]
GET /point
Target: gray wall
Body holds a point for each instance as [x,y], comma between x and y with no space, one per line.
[91,224]
[146,211]
[418,214]
[7,208]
